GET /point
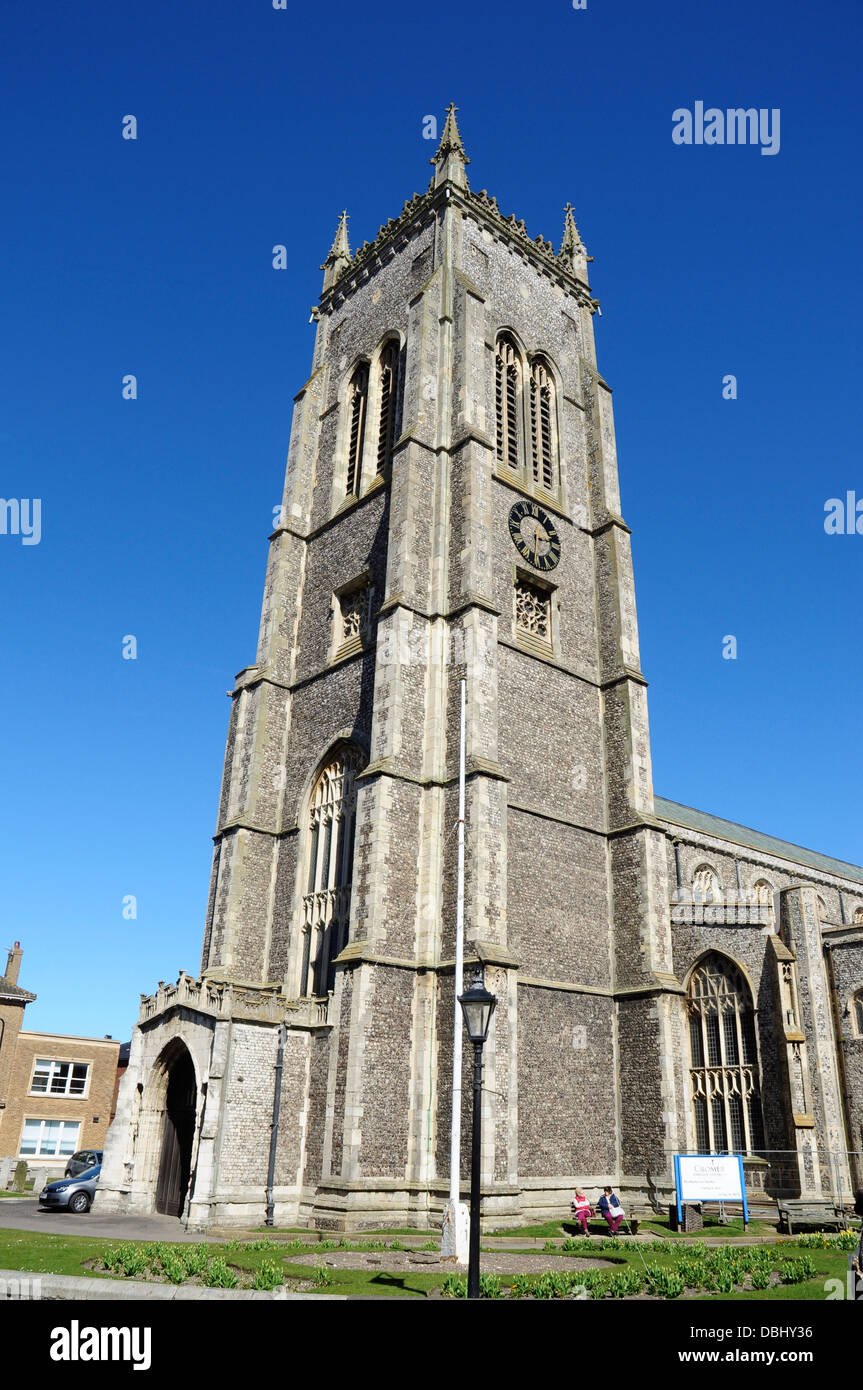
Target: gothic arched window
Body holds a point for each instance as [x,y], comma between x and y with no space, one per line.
[507,401]
[726,1085]
[389,368]
[706,887]
[542,440]
[763,892]
[330,860]
[358,396]
[857,1013]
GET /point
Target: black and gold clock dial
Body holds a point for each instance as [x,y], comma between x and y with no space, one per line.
[534,535]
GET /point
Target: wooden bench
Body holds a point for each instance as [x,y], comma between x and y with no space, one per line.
[631,1221]
[800,1212]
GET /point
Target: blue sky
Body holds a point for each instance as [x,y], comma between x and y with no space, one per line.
[153,257]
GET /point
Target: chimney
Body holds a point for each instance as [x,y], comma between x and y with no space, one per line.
[13,964]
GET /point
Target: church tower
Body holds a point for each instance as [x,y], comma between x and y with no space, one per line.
[450,509]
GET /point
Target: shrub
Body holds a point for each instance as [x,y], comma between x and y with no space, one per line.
[268,1276]
[842,1240]
[796,1271]
[666,1283]
[218,1274]
[625,1284]
[174,1267]
[126,1259]
[195,1258]
[490,1286]
[322,1278]
[572,1245]
[455,1286]
[761,1279]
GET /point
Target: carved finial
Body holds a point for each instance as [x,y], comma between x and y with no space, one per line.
[571,248]
[339,257]
[450,159]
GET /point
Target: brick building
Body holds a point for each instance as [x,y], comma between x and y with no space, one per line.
[57,1093]
[666,981]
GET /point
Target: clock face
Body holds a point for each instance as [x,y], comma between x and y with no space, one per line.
[534,535]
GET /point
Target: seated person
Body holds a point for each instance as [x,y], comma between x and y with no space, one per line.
[611,1208]
[581,1210]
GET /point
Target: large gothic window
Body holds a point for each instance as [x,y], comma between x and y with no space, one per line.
[389,365]
[726,1087]
[507,401]
[542,447]
[327,901]
[358,396]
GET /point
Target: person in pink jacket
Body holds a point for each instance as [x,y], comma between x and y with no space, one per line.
[581,1209]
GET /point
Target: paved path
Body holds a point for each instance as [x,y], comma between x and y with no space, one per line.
[426,1262]
[25,1215]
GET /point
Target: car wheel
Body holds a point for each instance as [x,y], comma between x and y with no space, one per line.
[79,1203]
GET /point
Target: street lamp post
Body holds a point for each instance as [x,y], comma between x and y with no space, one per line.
[477,1007]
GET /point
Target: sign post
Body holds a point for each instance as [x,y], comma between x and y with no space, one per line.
[709,1178]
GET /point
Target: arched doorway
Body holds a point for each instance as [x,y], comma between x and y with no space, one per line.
[178,1132]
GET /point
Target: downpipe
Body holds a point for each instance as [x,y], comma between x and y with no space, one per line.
[274,1132]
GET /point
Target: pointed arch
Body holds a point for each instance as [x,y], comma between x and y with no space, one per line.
[706,887]
[358,398]
[330,823]
[762,891]
[724,1070]
[508,395]
[176,1080]
[388,376]
[543,426]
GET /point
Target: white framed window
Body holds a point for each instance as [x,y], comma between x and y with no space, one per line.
[49,1138]
[52,1078]
[330,859]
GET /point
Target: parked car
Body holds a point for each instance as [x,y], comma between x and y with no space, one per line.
[74,1194]
[82,1160]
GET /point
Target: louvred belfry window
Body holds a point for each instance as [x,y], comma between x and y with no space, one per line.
[387,419]
[358,396]
[541,427]
[507,391]
[726,1086]
[327,901]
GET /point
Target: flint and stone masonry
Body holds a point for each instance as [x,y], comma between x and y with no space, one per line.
[305,1075]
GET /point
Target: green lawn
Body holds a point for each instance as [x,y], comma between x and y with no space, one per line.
[62,1254]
